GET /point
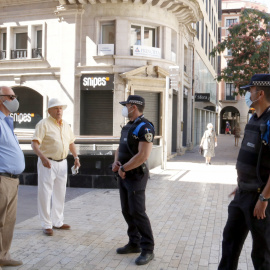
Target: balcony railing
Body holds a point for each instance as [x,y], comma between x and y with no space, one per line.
[36,53]
[18,54]
[3,55]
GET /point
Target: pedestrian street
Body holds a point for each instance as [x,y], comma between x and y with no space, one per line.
[187,206]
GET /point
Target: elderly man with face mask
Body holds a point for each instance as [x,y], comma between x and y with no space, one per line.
[11,166]
[134,149]
[52,141]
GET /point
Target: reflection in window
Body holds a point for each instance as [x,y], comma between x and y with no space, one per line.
[108,33]
[142,35]
[149,37]
[136,35]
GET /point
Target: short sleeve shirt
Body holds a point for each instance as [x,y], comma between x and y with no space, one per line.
[54,139]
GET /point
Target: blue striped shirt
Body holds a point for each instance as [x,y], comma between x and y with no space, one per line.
[11,155]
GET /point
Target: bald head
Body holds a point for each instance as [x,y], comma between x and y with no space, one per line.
[5,90]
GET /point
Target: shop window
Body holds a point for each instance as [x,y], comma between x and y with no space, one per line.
[185,58]
[107,33]
[206,38]
[173,46]
[198,30]
[20,51]
[37,51]
[142,35]
[230,89]
[3,49]
[107,38]
[202,33]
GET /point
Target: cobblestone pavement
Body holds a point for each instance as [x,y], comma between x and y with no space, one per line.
[187,205]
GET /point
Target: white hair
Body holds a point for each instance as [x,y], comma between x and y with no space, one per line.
[210,125]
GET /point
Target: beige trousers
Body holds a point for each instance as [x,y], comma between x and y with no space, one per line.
[8,211]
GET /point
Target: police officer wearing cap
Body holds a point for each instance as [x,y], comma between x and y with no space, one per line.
[250,209]
[130,157]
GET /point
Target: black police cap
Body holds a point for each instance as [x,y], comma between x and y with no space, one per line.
[258,80]
[134,99]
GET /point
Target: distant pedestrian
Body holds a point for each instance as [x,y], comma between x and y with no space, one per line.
[237,131]
[52,140]
[134,149]
[11,166]
[249,211]
[228,128]
[208,143]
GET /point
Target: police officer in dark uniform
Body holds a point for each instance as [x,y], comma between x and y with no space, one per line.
[130,157]
[250,209]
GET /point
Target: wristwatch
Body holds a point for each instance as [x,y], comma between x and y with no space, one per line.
[122,168]
[76,157]
[262,199]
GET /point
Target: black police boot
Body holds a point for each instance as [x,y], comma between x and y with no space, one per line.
[145,257]
[129,248]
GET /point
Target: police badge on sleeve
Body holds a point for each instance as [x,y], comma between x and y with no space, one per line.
[148,136]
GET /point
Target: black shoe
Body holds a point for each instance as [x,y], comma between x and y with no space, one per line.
[128,249]
[144,258]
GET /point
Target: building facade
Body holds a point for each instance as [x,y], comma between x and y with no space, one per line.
[92,54]
[232,108]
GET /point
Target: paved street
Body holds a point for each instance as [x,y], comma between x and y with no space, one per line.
[187,206]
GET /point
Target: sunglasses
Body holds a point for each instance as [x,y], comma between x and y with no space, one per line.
[10,96]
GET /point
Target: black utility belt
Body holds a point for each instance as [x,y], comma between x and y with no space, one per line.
[15,176]
[136,171]
[247,187]
[59,160]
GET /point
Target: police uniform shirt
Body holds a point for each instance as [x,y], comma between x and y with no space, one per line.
[249,152]
[140,130]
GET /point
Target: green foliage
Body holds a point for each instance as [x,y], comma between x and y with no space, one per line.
[249,43]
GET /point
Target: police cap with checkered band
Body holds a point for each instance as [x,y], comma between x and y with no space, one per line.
[134,99]
[258,80]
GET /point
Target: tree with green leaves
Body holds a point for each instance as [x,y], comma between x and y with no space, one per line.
[249,43]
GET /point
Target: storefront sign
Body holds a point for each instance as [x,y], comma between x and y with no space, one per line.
[202,97]
[97,82]
[146,51]
[174,77]
[105,49]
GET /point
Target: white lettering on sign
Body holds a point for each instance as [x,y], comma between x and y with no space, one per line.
[95,81]
[22,117]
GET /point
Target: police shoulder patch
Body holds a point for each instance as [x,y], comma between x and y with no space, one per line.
[149,137]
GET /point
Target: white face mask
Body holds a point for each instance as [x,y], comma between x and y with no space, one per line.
[249,102]
[125,111]
[12,105]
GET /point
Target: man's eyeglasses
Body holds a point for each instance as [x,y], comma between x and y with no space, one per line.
[10,96]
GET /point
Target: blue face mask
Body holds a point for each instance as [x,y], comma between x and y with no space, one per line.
[249,102]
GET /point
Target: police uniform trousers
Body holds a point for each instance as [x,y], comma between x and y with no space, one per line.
[8,210]
[133,209]
[51,193]
[240,222]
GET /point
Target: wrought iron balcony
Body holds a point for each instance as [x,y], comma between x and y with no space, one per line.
[36,53]
[3,55]
[18,54]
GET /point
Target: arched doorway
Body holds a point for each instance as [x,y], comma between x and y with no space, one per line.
[31,108]
[230,114]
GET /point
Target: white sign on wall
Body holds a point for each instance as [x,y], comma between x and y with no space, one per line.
[105,49]
[146,51]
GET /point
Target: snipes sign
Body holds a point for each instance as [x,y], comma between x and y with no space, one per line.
[97,82]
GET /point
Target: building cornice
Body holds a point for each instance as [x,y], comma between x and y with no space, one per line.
[186,11]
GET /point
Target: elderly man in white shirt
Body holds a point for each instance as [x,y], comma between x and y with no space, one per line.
[52,140]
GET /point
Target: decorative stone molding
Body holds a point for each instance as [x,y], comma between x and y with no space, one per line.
[186,11]
[68,9]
